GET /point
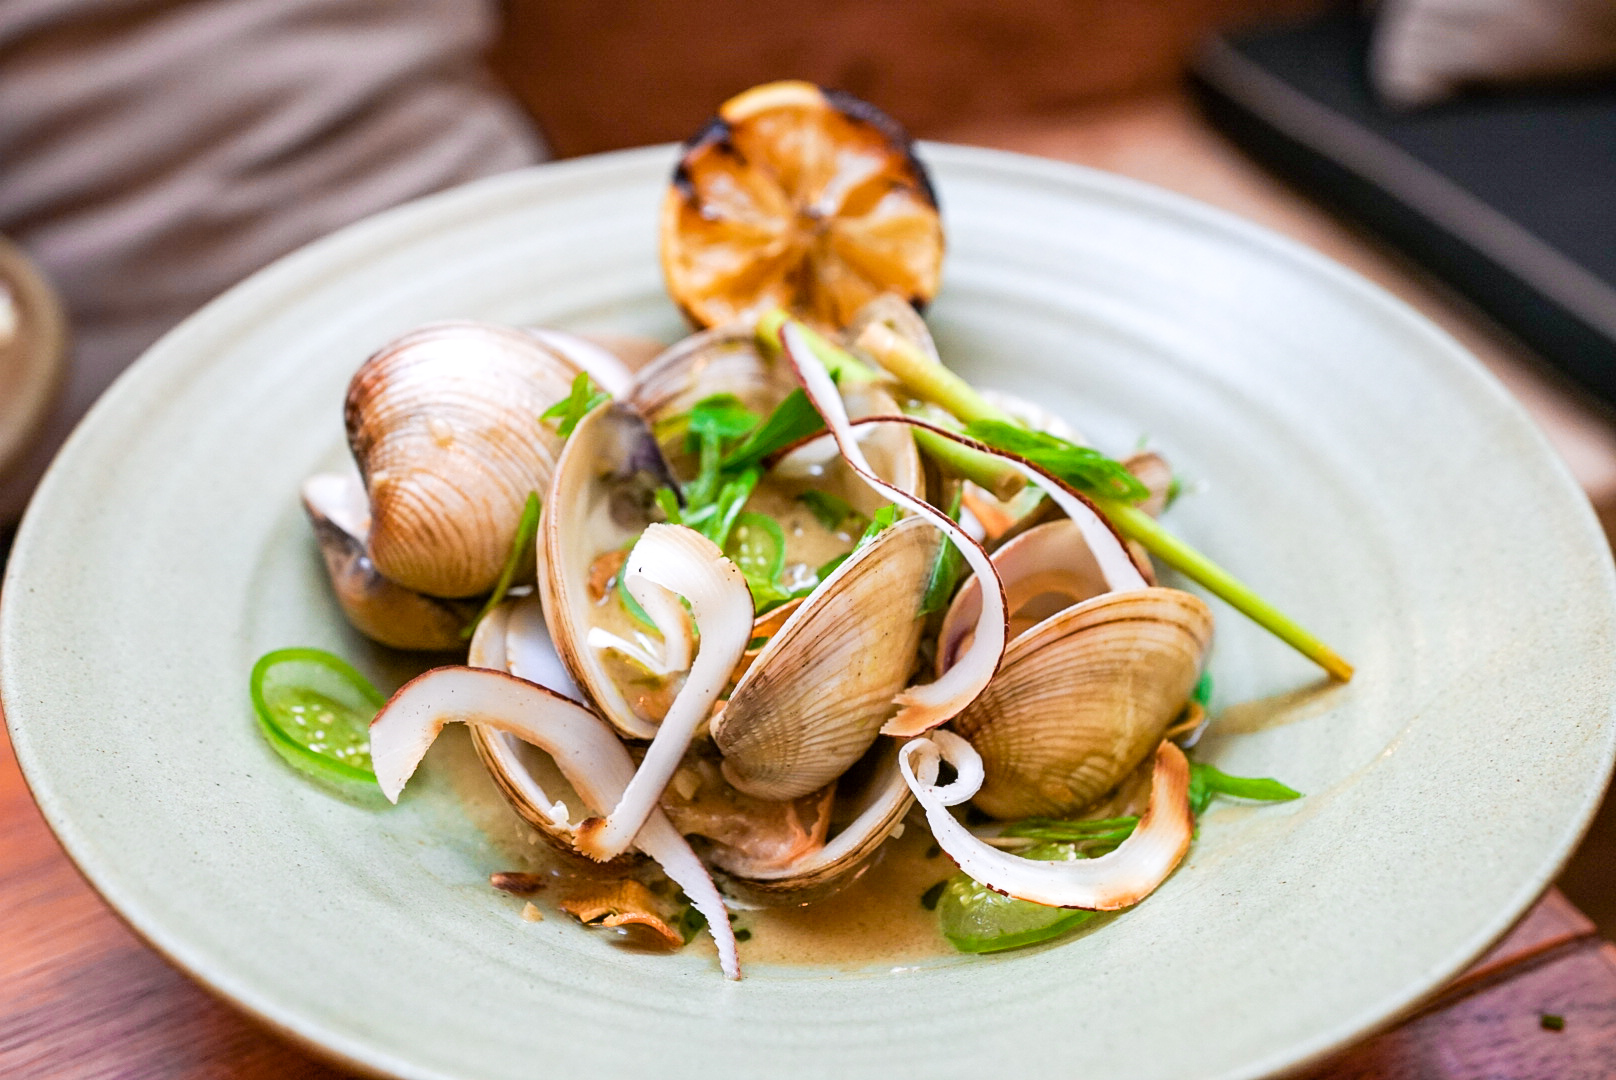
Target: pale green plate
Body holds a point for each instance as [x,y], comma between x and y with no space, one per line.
[1353,463]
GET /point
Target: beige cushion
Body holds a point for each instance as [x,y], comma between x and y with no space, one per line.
[155,152]
[1425,50]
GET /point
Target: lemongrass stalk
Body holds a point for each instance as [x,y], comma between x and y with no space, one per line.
[929,380]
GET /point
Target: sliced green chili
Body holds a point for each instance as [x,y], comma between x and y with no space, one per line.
[315,710]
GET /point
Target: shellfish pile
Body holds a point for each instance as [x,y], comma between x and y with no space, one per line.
[757,625]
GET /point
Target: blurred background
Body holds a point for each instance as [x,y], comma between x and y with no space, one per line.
[1461,153]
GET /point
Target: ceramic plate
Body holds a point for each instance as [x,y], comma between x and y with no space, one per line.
[1347,459]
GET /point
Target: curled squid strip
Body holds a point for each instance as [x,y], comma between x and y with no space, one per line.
[1117,880]
[670,561]
[584,747]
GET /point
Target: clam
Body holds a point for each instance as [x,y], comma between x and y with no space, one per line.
[1091,678]
[443,424]
[795,721]
[817,695]
[381,609]
[601,499]
[770,852]
[871,800]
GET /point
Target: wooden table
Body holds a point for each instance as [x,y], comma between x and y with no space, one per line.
[82,997]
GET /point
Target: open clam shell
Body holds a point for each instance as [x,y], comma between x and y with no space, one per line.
[1091,679]
[512,638]
[600,500]
[443,424]
[871,801]
[815,698]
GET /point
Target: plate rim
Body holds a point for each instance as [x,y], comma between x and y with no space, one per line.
[356,241]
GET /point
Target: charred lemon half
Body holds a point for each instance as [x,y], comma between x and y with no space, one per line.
[802,198]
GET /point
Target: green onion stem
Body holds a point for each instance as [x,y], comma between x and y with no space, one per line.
[983,470]
[1135,524]
[929,380]
[926,378]
[843,366]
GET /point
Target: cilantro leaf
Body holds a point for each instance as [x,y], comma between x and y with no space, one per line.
[576,405]
[884,519]
[720,416]
[793,419]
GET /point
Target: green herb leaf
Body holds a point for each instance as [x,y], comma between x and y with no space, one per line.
[946,571]
[726,507]
[576,405]
[1083,467]
[315,710]
[830,510]
[1208,780]
[521,547]
[669,504]
[929,898]
[793,419]
[1202,694]
[743,934]
[719,415]
[884,519]
[713,420]
[1551,1021]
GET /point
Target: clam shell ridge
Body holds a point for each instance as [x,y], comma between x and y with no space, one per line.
[1083,697]
[444,425]
[814,700]
[380,609]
